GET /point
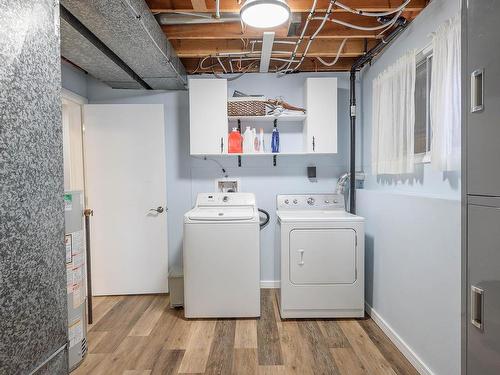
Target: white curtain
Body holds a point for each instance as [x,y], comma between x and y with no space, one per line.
[445,97]
[393,118]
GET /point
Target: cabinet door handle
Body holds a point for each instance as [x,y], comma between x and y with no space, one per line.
[477,90]
[314,144]
[301,252]
[221,145]
[477,307]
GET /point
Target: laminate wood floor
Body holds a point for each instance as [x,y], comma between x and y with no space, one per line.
[139,335]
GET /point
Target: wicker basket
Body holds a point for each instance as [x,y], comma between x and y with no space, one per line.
[246,106]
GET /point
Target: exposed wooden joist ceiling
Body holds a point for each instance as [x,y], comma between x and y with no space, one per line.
[297,6]
[193,42]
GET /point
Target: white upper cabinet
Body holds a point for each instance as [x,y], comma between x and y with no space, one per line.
[320,127]
[208,116]
[312,133]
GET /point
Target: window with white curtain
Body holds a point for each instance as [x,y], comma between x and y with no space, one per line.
[445,101]
[393,118]
[423,130]
[416,107]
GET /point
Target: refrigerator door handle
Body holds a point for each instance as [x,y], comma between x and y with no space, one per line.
[476,307]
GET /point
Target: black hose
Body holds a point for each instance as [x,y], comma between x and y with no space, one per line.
[266,220]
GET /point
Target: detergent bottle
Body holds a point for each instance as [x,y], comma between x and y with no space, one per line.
[275,141]
[256,146]
[248,141]
[261,140]
[235,142]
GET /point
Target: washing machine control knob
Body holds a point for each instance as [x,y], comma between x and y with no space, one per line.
[287,201]
[310,201]
[295,201]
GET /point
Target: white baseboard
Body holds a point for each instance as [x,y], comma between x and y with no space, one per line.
[269,284]
[403,347]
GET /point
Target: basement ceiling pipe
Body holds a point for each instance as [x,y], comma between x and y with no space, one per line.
[401,24]
[184,18]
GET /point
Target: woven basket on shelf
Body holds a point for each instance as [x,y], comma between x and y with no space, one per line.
[246,106]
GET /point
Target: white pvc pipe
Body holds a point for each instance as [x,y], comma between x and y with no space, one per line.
[364,28]
[336,57]
[372,14]
[217,8]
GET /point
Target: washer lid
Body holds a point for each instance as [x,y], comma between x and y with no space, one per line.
[221,213]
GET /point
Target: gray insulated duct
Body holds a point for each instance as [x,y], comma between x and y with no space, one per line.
[133,51]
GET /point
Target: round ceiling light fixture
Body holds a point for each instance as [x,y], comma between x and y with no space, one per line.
[264,13]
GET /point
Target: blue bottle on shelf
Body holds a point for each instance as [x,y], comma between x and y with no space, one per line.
[275,141]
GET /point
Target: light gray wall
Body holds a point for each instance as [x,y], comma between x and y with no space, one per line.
[188,176]
[413,230]
[33,307]
[74,79]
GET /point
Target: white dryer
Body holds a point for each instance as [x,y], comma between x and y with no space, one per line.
[322,257]
[222,257]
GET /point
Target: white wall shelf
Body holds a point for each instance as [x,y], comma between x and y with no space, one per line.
[282,118]
[266,154]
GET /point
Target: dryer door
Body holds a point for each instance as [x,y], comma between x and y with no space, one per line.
[322,256]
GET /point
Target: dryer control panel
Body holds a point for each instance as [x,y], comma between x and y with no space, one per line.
[310,202]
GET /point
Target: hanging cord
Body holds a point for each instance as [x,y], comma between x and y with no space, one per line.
[336,57]
[224,172]
[264,223]
[246,69]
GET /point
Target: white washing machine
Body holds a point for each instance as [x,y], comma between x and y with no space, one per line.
[222,257]
[322,257]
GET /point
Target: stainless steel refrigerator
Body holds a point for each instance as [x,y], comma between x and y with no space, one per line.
[74,240]
[481,187]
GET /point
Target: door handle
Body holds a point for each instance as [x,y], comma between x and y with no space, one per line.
[314,143]
[158,209]
[301,262]
[476,307]
[477,90]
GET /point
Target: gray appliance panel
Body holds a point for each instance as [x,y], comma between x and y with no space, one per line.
[483,126]
[77,310]
[483,344]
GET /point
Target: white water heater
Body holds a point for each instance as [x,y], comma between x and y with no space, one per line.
[74,240]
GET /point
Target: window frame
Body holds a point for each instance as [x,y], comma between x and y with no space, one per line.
[425,57]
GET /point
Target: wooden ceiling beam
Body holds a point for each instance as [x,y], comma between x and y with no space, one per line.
[199,5]
[321,47]
[218,31]
[232,6]
[233,30]
[309,65]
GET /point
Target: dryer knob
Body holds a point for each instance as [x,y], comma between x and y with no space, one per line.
[295,201]
[310,201]
[287,201]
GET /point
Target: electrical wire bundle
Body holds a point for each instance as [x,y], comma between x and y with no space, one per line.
[246,60]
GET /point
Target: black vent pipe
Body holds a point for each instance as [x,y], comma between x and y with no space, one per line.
[401,24]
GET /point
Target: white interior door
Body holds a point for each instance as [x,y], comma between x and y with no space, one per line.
[125,183]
